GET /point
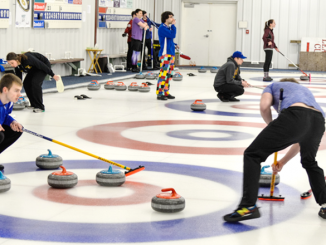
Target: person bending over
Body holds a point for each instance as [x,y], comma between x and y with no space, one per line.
[301,125]
[10,130]
[228,83]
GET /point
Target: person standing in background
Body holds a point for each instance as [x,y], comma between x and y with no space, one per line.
[269,45]
[128,31]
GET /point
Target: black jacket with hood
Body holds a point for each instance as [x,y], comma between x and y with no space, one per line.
[228,73]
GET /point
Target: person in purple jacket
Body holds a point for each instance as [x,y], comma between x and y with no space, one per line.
[166,33]
[10,130]
[269,45]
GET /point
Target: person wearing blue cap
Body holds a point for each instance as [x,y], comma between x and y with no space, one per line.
[228,82]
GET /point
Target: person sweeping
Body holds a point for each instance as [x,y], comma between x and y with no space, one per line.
[37,67]
[301,125]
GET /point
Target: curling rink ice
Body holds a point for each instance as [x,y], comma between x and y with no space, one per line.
[199,154]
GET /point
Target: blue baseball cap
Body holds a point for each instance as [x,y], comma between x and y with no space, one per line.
[238,54]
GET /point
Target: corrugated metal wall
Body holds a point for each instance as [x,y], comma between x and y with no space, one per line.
[55,41]
[294,19]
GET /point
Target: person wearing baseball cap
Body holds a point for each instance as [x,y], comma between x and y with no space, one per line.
[227,83]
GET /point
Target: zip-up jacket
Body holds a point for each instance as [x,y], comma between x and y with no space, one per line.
[166,35]
[128,30]
[228,73]
[269,37]
[34,63]
[5,110]
[148,32]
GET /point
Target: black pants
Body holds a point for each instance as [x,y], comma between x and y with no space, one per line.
[268,59]
[293,125]
[33,88]
[8,137]
[129,54]
[229,90]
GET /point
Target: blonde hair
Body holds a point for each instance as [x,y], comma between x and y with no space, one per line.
[289,79]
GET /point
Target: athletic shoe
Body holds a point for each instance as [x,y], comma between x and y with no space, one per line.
[267,79]
[222,98]
[170,96]
[242,214]
[1,167]
[38,110]
[162,97]
[322,213]
[233,99]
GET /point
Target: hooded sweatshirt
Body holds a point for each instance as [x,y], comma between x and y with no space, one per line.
[5,110]
[228,73]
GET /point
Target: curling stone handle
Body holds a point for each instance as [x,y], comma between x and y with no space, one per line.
[50,153]
[197,101]
[121,83]
[174,193]
[145,84]
[63,169]
[94,80]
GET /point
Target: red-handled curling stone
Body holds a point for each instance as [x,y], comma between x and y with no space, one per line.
[133,86]
[168,202]
[62,180]
[198,106]
[120,86]
[109,85]
[144,88]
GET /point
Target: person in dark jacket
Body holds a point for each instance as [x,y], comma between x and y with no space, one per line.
[228,83]
[37,67]
[148,39]
[128,31]
[10,129]
[269,45]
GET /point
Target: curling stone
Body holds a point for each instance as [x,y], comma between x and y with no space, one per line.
[110,177]
[266,178]
[214,70]
[48,161]
[202,70]
[5,183]
[140,75]
[177,76]
[144,88]
[133,86]
[94,85]
[62,180]
[168,202]
[196,106]
[109,85]
[19,105]
[150,76]
[120,86]
[304,78]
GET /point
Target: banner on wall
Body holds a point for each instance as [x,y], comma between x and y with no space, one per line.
[129,4]
[313,44]
[116,4]
[23,13]
[4,13]
[113,17]
[106,3]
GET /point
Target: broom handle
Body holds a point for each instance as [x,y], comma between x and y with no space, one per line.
[293,63]
[75,149]
[273,176]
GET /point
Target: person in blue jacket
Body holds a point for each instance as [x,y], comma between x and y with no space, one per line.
[10,130]
[166,33]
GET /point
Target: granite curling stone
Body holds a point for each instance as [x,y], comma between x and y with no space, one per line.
[168,202]
[202,70]
[133,86]
[265,179]
[140,75]
[177,76]
[94,85]
[144,88]
[48,161]
[5,183]
[110,177]
[109,85]
[214,70]
[197,106]
[19,105]
[150,76]
[120,86]
[62,180]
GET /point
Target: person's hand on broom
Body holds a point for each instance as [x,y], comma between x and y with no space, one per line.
[278,166]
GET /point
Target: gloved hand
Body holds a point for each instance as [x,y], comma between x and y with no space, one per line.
[2,69]
[124,34]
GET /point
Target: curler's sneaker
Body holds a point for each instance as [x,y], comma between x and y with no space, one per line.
[322,213]
[242,214]
[38,110]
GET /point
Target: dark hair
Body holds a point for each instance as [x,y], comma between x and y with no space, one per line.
[166,15]
[137,10]
[8,80]
[14,56]
[133,13]
[144,12]
[267,23]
